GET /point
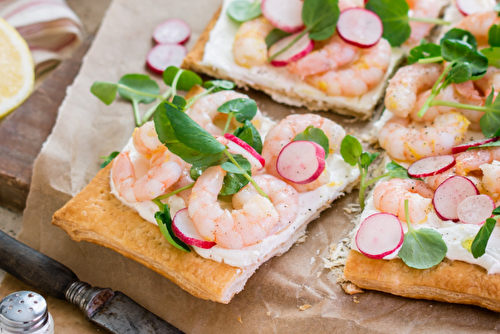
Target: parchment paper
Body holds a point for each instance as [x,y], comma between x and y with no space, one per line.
[87,129]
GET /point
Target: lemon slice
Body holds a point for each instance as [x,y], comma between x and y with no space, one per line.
[17,73]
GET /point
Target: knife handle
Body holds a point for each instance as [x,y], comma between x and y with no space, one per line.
[34,268]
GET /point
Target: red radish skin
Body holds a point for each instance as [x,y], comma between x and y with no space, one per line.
[250,154]
[299,50]
[379,235]
[475,209]
[360,27]
[173,31]
[164,55]
[465,146]
[186,231]
[449,194]
[284,14]
[301,161]
[431,166]
[469,7]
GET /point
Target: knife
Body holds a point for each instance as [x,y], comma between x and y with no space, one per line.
[104,307]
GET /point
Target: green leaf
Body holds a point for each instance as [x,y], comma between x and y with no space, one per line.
[494,35]
[179,102]
[186,80]
[423,51]
[367,158]
[460,72]
[320,17]
[232,184]
[397,171]
[243,109]
[275,35]
[139,83]
[496,211]
[109,158]
[249,134]
[315,135]
[394,16]
[460,35]
[351,150]
[104,91]
[478,247]
[423,248]
[493,56]
[490,121]
[219,85]
[164,221]
[232,168]
[459,51]
[242,11]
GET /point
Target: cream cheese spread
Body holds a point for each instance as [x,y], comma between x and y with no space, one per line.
[218,54]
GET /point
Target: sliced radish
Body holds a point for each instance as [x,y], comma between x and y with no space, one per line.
[450,194]
[284,14]
[299,50]
[185,230]
[164,55]
[239,146]
[173,31]
[431,166]
[465,146]
[301,161]
[379,235]
[475,209]
[469,7]
[360,27]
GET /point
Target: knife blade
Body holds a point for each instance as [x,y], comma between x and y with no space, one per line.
[109,309]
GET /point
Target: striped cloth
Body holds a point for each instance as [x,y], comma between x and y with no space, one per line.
[50,27]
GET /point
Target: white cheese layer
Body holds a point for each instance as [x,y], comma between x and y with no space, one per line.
[218,54]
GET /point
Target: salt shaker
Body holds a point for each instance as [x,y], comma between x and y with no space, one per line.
[25,312]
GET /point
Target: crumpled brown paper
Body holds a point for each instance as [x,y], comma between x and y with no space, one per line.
[275,298]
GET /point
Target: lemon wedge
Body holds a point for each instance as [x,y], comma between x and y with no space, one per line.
[17,74]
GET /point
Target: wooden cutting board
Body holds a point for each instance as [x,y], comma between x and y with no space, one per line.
[24,131]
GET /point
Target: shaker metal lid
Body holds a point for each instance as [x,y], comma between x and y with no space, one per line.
[23,311]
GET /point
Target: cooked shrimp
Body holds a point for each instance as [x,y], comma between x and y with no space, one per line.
[165,170]
[357,77]
[336,53]
[479,25]
[204,112]
[146,140]
[404,140]
[253,218]
[286,130]
[389,196]
[407,83]
[421,8]
[470,161]
[491,177]
[249,48]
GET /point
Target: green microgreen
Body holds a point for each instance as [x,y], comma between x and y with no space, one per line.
[423,248]
[164,221]
[275,35]
[249,134]
[242,10]
[395,19]
[352,153]
[241,109]
[478,246]
[316,135]
[109,158]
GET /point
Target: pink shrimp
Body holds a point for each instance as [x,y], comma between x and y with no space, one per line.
[469,161]
[389,196]
[249,47]
[253,218]
[479,25]
[421,9]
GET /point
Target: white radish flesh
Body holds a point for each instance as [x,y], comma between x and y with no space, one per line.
[239,146]
[475,209]
[379,235]
[465,146]
[297,51]
[284,14]
[449,194]
[360,27]
[469,7]
[431,166]
[173,31]
[186,231]
[301,161]
[164,55]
